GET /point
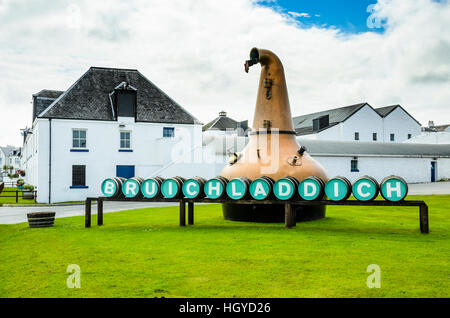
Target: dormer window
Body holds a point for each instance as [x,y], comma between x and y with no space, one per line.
[126,103]
[125,100]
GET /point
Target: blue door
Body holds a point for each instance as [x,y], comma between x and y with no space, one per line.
[433,171]
[125,171]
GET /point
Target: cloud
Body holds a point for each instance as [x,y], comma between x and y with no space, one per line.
[195,50]
[299,15]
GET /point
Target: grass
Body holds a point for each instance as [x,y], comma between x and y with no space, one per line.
[144,253]
[11,197]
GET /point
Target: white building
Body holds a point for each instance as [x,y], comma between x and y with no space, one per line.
[110,122]
[9,157]
[433,135]
[360,122]
[414,162]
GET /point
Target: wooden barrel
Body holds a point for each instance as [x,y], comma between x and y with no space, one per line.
[172,188]
[194,188]
[338,189]
[286,188]
[394,188]
[215,188]
[151,188]
[239,188]
[365,188]
[41,219]
[112,187]
[131,188]
[262,188]
[311,188]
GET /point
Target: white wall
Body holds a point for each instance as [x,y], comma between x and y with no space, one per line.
[150,153]
[398,122]
[366,121]
[413,170]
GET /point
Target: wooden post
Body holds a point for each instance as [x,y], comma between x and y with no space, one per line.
[289,216]
[35,196]
[182,213]
[191,213]
[424,219]
[87,211]
[17,196]
[100,211]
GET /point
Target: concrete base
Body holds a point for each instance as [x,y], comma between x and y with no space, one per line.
[269,213]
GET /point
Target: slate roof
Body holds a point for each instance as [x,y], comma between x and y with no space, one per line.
[303,125]
[88,99]
[439,128]
[9,150]
[43,99]
[384,111]
[221,123]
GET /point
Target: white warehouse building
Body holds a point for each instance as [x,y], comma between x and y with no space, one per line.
[359,122]
[110,122]
[414,162]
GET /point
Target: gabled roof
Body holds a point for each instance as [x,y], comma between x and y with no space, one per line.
[9,150]
[88,99]
[43,99]
[439,128]
[384,111]
[48,93]
[303,125]
[221,123]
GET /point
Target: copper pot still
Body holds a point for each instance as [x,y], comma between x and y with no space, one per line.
[272,149]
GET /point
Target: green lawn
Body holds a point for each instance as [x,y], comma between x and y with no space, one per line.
[144,253]
[11,197]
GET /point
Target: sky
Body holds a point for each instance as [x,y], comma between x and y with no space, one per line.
[335,53]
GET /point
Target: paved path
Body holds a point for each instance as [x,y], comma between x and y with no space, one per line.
[12,215]
[429,188]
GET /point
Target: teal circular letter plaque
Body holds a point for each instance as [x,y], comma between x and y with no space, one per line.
[283,189]
[169,188]
[365,189]
[309,189]
[109,188]
[149,188]
[337,189]
[130,188]
[213,189]
[259,189]
[394,188]
[191,189]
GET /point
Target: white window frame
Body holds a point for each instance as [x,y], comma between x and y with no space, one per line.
[120,139]
[72,138]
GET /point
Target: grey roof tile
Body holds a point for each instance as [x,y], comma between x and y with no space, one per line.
[88,98]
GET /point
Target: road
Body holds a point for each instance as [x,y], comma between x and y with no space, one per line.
[12,215]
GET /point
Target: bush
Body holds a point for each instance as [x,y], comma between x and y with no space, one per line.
[28,187]
[20,182]
[22,173]
[5,167]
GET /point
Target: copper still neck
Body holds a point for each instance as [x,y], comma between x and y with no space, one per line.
[272,109]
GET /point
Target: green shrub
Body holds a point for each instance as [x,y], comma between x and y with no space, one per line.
[28,187]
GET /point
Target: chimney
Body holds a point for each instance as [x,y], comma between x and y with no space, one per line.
[223,114]
[430,124]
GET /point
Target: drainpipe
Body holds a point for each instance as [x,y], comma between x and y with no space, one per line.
[49,160]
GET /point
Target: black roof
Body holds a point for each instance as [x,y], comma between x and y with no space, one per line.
[384,111]
[43,99]
[221,123]
[88,99]
[303,125]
